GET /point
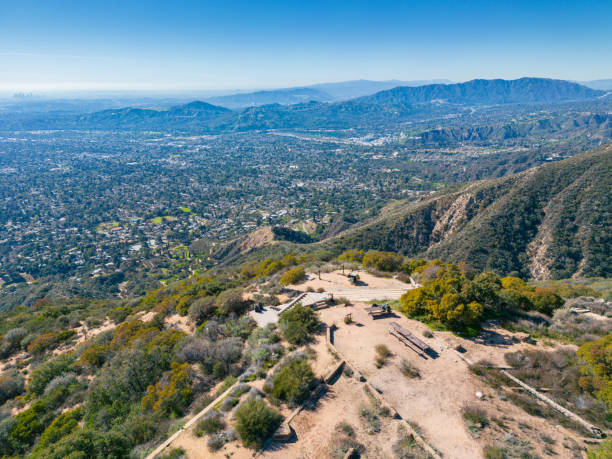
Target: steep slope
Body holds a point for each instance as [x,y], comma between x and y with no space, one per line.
[548,222]
[591,124]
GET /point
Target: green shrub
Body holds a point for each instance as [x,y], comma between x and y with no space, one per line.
[413,264]
[172,394]
[86,442]
[293,276]
[211,422]
[352,256]
[41,376]
[201,309]
[406,447]
[11,385]
[298,324]
[256,422]
[345,428]
[370,420]
[494,452]
[408,370]
[545,300]
[383,261]
[293,382]
[63,425]
[182,307]
[119,314]
[231,301]
[176,453]
[475,417]
[601,451]
[382,352]
[596,374]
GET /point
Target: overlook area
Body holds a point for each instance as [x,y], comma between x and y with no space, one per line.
[310,230]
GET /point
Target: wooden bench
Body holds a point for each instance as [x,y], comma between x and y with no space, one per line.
[409,339]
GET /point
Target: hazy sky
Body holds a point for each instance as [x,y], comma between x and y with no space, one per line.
[129,44]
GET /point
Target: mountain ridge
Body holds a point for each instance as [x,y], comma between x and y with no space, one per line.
[380,109]
[547,222]
[481,91]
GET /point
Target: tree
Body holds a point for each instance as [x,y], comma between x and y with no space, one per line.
[298,324]
[256,422]
[455,314]
[483,289]
[545,300]
[414,302]
[413,264]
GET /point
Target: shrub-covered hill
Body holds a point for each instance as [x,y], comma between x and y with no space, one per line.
[548,222]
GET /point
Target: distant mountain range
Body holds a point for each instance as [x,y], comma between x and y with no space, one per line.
[485,92]
[605,85]
[481,91]
[276,96]
[322,92]
[357,88]
[384,107]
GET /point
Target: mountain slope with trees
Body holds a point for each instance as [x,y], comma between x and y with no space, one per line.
[548,222]
[522,90]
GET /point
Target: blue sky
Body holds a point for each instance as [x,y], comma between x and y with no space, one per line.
[186,45]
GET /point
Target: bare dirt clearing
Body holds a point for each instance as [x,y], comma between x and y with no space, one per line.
[434,400]
[432,396]
[368,288]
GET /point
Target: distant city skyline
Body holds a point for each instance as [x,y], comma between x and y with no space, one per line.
[167,46]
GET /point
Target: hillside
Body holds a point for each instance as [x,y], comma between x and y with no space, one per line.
[191,115]
[476,92]
[547,222]
[590,124]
